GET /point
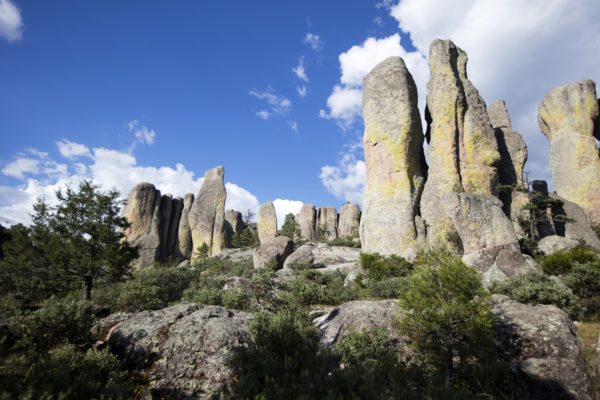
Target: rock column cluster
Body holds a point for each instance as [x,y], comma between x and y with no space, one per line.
[165,229]
[325,224]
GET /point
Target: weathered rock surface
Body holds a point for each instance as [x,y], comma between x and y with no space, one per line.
[359,315]
[552,244]
[233,224]
[349,221]
[520,216]
[327,222]
[577,226]
[307,221]
[326,256]
[568,117]
[183,352]
[275,249]
[165,211]
[184,232]
[511,146]
[142,210]
[237,255]
[395,169]
[543,342]
[207,215]
[303,255]
[463,152]
[267,222]
[489,241]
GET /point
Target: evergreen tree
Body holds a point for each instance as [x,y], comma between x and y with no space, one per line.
[87,239]
[289,226]
[448,316]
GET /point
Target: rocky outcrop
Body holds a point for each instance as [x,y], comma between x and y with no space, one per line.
[142,210]
[307,221]
[552,244]
[207,215]
[233,224]
[488,239]
[463,153]
[543,343]
[184,232]
[275,250]
[349,221]
[165,211]
[568,117]
[327,223]
[511,146]
[577,225]
[360,315]
[303,255]
[393,147]
[267,222]
[182,352]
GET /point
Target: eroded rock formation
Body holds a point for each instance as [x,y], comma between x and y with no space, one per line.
[349,221]
[233,224]
[487,236]
[142,210]
[511,146]
[393,146]
[267,222]
[184,233]
[327,223]
[568,117]
[207,215]
[307,221]
[463,152]
[273,250]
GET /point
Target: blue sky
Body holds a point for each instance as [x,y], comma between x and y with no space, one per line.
[147,85]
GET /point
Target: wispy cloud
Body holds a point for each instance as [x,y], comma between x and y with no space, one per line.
[314,41]
[302,91]
[300,70]
[293,126]
[278,105]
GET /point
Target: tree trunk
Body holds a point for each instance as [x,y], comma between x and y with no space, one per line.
[448,374]
[87,288]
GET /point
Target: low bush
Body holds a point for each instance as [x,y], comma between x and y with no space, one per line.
[70,374]
[377,267]
[561,262]
[345,242]
[153,288]
[535,288]
[584,281]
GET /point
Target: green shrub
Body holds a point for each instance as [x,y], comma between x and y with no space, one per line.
[535,288]
[153,288]
[385,289]
[447,313]
[596,229]
[345,242]
[69,374]
[58,322]
[561,262]
[584,281]
[372,370]
[378,267]
[282,359]
[220,268]
[244,238]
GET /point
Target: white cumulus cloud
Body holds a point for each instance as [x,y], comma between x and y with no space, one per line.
[11,24]
[72,150]
[41,176]
[346,180]
[283,207]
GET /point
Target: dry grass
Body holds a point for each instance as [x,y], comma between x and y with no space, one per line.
[589,331]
